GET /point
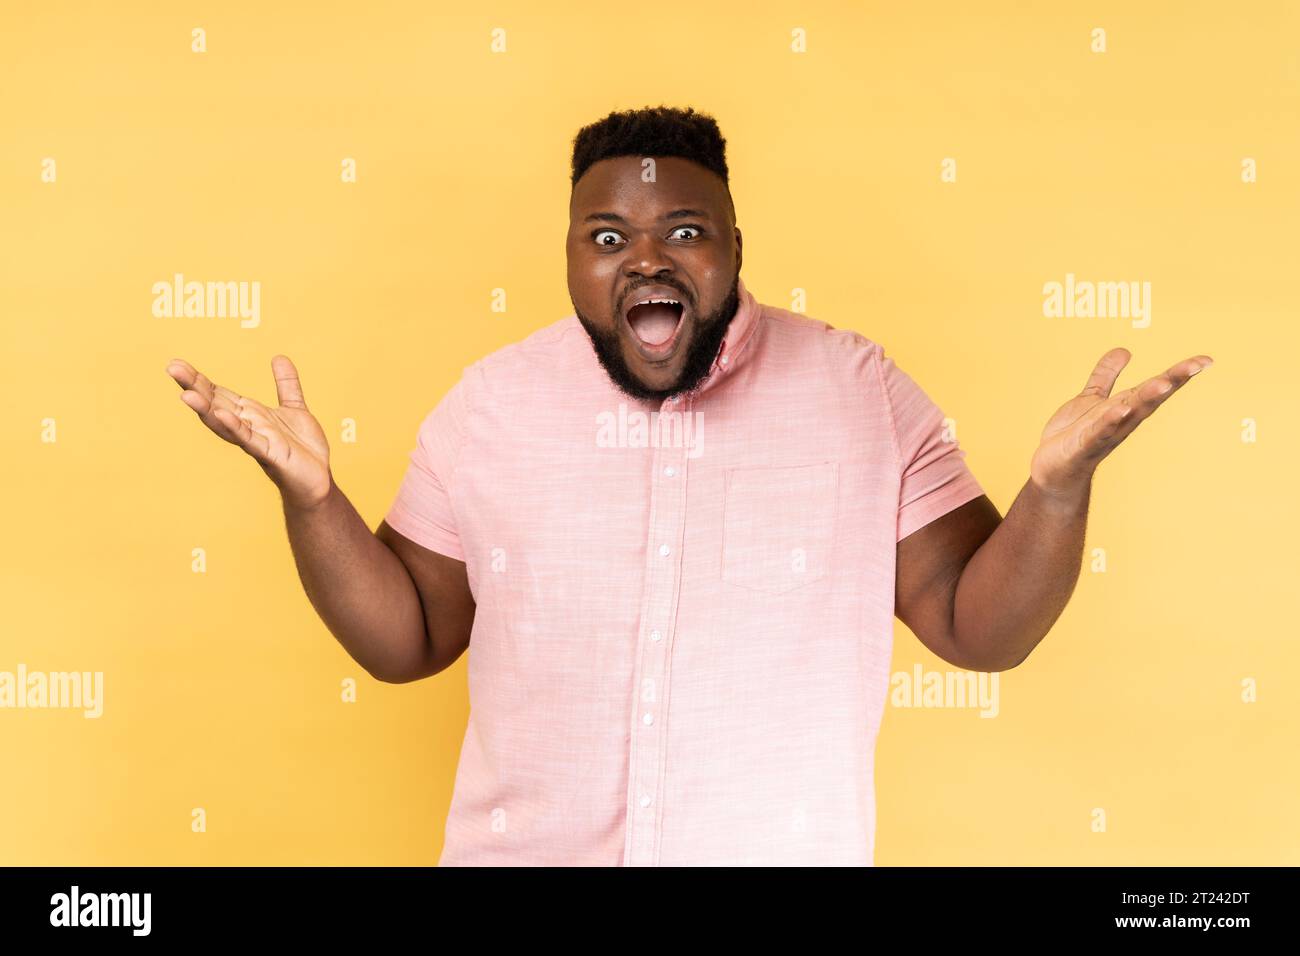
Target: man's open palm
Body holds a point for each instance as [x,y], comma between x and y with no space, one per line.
[1089,426]
[286,441]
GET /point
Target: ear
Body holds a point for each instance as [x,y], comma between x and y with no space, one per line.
[740,258]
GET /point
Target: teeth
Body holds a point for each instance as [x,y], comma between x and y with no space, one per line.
[656,301]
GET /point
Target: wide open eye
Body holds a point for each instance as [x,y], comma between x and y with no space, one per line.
[693,229]
[605,232]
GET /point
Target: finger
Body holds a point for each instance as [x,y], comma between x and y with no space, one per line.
[183,373]
[187,376]
[1112,421]
[245,434]
[288,388]
[1103,377]
[1151,394]
[206,410]
[204,404]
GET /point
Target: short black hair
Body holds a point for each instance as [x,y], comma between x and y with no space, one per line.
[653,131]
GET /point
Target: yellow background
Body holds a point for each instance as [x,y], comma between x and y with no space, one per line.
[222,690]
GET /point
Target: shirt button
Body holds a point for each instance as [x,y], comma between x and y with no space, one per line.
[723,360]
[664,550]
[645,800]
[669,470]
[655,636]
[649,718]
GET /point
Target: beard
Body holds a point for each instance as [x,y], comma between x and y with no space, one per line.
[709,332]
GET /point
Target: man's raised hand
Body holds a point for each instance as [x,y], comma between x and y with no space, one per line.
[1089,426]
[287,442]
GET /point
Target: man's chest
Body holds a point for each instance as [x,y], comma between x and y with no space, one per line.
[594,502]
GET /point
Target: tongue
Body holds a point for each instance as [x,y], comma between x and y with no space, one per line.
[653,324]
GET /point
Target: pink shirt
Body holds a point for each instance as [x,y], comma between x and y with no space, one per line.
[681,648]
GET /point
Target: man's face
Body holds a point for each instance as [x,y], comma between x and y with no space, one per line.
[630,240]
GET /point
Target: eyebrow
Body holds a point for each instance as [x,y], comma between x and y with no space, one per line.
[675,214]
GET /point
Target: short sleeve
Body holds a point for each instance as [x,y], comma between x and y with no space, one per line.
[422,510]
[935,477]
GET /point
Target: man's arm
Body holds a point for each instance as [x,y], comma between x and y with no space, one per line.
[980,591]
[400,611]
[930,564]
[446,602]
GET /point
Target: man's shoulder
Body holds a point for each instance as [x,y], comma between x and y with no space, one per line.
[796,332]
[550,341]
[561,350]
[561,339]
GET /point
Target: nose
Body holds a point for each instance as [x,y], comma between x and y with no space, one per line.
[647,257]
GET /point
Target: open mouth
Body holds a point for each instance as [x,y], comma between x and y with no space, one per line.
[656,326]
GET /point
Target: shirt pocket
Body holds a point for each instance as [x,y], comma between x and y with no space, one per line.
[778,525]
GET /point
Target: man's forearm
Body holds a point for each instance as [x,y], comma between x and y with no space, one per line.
[359,587]
[1015,586]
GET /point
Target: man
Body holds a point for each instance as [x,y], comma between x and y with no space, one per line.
[678,525]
